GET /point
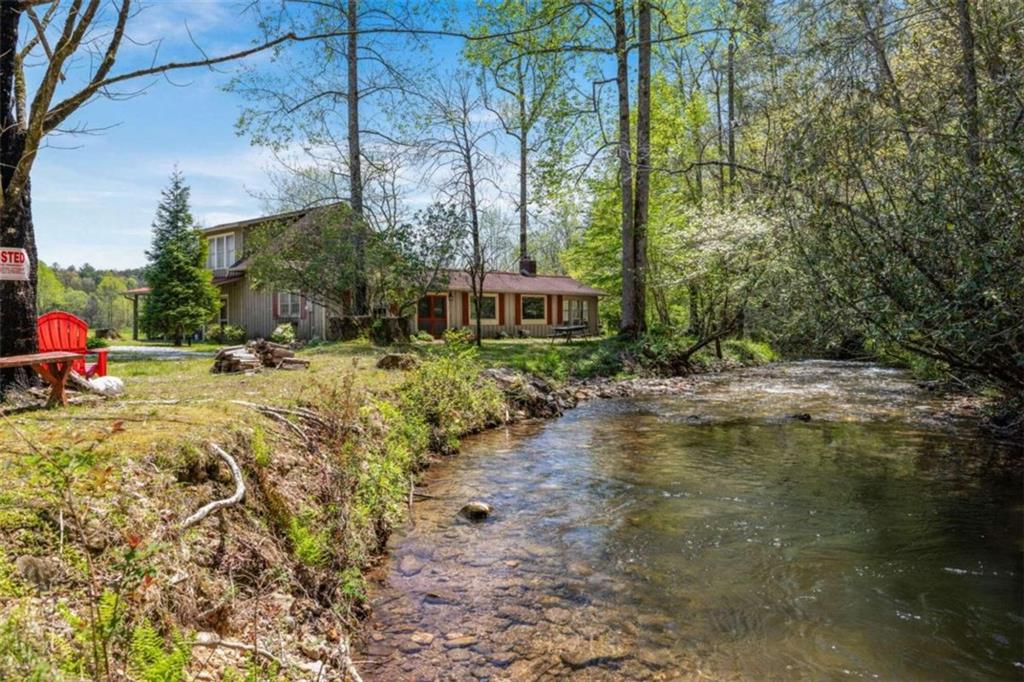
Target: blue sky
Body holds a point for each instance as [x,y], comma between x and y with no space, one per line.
[94,195]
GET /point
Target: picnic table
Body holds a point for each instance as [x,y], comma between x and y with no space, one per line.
[568,330]
[54,367]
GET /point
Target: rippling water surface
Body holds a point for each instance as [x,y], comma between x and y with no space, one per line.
[709,535]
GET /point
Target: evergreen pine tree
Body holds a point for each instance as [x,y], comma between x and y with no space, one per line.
[182,297]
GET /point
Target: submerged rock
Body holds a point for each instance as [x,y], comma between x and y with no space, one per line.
[423,638]
[476,511]
[409,565]
[588,655]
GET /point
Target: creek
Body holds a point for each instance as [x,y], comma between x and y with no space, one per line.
[716,534]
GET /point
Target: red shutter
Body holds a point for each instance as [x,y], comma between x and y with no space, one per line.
[465,308]
[519,309]
[273,297]
[302,308]
[558,309]
[501,309]
[549,306]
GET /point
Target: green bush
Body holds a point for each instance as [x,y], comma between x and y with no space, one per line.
[93,343]
[283,333]
[229,335]
[459,336]
[424,336]
[551,365]
[748,352]
[447,393]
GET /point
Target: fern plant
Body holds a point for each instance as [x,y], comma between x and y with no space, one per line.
[150,659]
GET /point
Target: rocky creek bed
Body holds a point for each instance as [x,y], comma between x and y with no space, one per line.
[798,520]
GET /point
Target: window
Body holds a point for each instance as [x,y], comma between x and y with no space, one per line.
[289,306]
[222,252]
[575,311]
[534,309]
[488,308]
[222,318]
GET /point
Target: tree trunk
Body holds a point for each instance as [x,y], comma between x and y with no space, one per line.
[355,167]
[694,312]
[17,299]
[643,164]
[969,83]
[731,103]
[627,323]
[524,252]
[720,134]
[477,276]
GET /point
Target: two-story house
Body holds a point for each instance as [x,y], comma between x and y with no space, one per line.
[516,303]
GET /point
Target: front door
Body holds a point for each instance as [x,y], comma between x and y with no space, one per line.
[432,315]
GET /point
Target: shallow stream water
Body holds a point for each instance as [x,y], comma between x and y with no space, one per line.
[711,535]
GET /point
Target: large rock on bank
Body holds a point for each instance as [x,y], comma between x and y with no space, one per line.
[529,395]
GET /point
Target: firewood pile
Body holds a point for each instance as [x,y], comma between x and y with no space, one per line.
[254,356]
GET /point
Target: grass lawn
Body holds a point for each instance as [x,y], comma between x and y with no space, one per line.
[168,401]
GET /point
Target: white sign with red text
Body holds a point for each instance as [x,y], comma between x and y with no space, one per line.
[13,264]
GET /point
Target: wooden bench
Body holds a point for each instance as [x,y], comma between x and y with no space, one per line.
[568,331]
[54,367]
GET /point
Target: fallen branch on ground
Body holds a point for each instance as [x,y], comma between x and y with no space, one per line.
[347,665]
[213,641]
[236,473]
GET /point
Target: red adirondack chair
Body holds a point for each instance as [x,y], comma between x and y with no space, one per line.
[63,331]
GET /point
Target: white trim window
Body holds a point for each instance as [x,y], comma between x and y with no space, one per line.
[289,306]
[488,309]
[575,311]
[530,306]
[222,252]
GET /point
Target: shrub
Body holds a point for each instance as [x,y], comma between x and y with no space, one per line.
[748,352]
[459,336]
[283,333]
[229,335]
[424,336]
[92,343]
[551,365]
[449,396]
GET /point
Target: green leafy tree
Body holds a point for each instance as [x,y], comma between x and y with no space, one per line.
[316,256]
[50,291]
[111,303]
[182,297]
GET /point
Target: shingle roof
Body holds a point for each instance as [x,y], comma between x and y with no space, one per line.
[515,283]
[287,215]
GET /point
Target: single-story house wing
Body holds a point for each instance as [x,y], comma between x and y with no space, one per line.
[512,302]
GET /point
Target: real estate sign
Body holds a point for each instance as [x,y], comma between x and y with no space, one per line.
[14,264]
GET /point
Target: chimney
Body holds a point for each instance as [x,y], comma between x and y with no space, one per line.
[527,266]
